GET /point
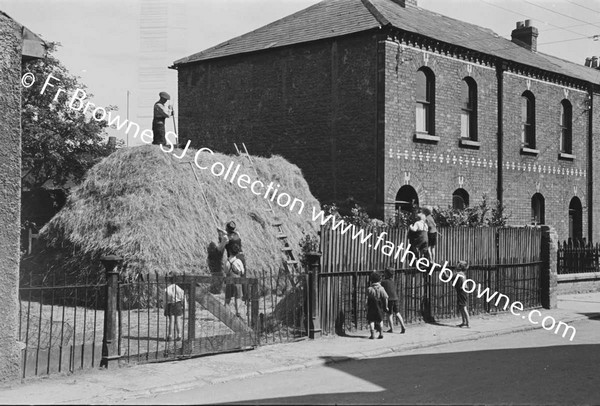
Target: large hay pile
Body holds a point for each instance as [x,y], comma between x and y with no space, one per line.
[146,206]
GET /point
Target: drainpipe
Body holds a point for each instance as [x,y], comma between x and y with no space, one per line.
[500,67]
[590,191]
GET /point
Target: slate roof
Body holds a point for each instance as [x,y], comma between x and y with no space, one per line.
[333,18]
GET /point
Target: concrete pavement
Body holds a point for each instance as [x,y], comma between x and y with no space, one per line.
[130,382]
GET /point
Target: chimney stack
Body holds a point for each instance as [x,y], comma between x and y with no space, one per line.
[405,3]
[525,35]
[593,62]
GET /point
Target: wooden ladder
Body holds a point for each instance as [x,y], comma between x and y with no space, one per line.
[291,265]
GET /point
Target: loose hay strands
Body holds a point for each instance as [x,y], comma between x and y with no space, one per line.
[146,206]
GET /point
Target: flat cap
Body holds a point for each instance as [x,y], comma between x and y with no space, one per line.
[165,95]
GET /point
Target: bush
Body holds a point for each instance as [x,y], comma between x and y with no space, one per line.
[482,215]
[308,243]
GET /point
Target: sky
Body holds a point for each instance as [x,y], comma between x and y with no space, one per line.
[121,47]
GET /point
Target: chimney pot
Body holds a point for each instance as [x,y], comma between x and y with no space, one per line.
[525,35]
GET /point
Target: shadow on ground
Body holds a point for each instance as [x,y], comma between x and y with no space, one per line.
[565,374]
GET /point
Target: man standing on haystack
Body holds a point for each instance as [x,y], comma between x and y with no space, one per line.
[161,112]
[230,240]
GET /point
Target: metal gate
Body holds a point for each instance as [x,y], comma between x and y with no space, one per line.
[211,323]
[70,326]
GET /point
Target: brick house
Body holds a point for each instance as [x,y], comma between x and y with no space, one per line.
[17,43]
[388,103]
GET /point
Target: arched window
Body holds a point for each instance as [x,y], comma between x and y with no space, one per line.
[425,113]
[566,125]
[407,199]
[538,209]
[468,114]
[528,119]
[460,199]
[575,219]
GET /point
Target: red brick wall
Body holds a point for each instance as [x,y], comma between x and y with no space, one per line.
[436,170]
[557,188]
[434,178]
[596,167]
[314,104]
[317,105]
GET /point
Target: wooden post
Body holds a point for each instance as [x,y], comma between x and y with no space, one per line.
[254,307]
[355,298]
[110,355]
[314,316]
[192,313]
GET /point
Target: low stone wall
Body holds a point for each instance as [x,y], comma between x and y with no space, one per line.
[578,283]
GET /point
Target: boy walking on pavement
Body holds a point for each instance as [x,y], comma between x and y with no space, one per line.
[377,303]
[393,306]
[461,295]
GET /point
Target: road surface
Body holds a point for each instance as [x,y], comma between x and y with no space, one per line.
[535,367]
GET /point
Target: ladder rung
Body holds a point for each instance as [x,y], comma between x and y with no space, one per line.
[277,224]
[282,236]
[292,262]
[286,249]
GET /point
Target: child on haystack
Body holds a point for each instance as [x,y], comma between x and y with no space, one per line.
[231,242]
[377,304]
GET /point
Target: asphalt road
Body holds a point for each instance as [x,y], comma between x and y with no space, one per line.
[535,367]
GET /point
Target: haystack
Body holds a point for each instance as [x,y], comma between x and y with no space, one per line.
[146,206]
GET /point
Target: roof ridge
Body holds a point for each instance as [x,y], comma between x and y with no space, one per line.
[375,12]
[276,22]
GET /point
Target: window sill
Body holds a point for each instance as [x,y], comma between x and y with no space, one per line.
[566,157]
[424,137]
[468,143]
[530,151]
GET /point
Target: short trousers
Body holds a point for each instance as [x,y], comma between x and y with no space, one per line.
[393,306]
[174,309]
[233,290]
[432,239]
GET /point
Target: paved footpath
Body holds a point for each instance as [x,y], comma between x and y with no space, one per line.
[130,382]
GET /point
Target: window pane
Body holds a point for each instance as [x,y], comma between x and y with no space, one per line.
[421,117]
[524,109]
[465,95]
[422,86]
[457,202]
[465,125]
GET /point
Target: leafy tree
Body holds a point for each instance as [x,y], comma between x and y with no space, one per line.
[59,143]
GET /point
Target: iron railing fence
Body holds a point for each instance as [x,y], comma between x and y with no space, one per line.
[426,298]
[578,258]
[60,325]
[267,311]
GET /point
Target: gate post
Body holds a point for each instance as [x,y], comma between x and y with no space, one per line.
[110,355]
[254,306]
[314,316]
[192,313]
[548,277]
